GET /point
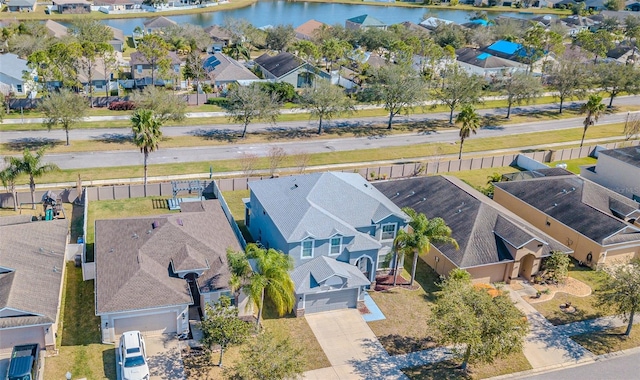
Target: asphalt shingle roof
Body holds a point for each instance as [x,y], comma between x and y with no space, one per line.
[629,155]
[578,203]
[309,276]
[31,265]
[313,208]
[133,259]
[479,225]
[366,20]
[159,22]
[280,64]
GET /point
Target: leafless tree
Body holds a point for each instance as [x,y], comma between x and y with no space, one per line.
[301,160]
[632,126]
[276,155]
[248,163]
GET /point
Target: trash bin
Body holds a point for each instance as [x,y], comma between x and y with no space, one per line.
[78,261]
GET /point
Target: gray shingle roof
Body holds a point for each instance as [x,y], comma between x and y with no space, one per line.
[133,259]
[309,276]
[480,226]
[56,29]
[31,265]
[629,155]
[228,69]
[15,219]
[280,64]
[13,66]
[159,22]
[321,203]
[578,203]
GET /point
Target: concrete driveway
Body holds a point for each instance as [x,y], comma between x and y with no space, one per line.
[351,347]
[164,358]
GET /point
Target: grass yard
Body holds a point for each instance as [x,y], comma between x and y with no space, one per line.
[449,370]
[80,350]
[478,178]
[405,328]
[611,340]
[236,206]
[574,165]
[585,306]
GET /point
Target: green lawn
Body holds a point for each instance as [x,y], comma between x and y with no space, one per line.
[80,350]
[608,341]
[574,165]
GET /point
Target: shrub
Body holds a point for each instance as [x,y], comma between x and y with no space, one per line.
[122,105]
[221,102]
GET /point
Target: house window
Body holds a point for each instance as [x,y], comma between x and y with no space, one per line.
[139,69]
[388,231]
[18,88]
[176,69]
[336,246]
[381,264]
[307,249]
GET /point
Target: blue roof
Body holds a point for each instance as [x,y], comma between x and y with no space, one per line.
[505,47]
[483,56]
[211,63]
[480,21]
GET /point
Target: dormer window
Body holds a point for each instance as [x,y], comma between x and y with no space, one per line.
[336,246]
[307,249]
[389,231]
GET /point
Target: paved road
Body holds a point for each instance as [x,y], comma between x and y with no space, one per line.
[618,368]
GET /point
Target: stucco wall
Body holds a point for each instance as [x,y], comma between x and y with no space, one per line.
[107,321]
[489,273]
[616,175]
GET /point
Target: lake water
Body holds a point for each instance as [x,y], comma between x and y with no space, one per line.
[274,12]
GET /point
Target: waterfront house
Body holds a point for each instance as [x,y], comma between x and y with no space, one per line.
[12,75]
[21,5]
[364,22]
[286,67]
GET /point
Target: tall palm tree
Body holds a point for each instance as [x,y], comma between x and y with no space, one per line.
[270,277]
[399,249]
[470,121]
[424,232]
[594,108]
[146,135]
[240,271]
[32,166]
[8,178]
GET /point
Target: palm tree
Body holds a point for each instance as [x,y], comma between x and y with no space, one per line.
[270,277]
[399,250]
[424,232]
[33,167]
[146,135]
[470,121]
[8,178]
[594,109]
[240,271]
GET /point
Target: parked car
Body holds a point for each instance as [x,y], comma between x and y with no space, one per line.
[25,363]
[133,357]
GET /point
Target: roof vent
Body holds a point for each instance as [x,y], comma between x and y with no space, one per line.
[111,250]
[155,224]
[573,189]
[135,235]
[366,185]
[55,269]
[555,205]
[413,192]
[179,221]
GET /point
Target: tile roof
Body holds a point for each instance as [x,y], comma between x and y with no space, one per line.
[31,267]
[481,227]
[629,155]
[134,260]
[312,207]
[280,64]
[580,204]
[309,277]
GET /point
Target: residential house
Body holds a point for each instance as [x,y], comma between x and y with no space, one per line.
[478,62]
[154,24]
[119,40]
[32,267]
[495,244]
[615,170]
[21,5]
[220,37]
[575,24]
[413,27]
[72,6]
[286,67]
[623,54]
[597,223]
[141,69]
[223,70]
[55,29]
[589,5]
[118,5]
[151,270]
[364,22]
[330,224]
[515,52]
[632,5]
[307,30]
[15,76]
[432,23]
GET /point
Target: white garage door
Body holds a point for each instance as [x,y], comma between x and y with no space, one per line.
[152,324]
[25,335]
[340,299]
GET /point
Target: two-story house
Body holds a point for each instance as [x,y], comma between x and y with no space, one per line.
[141,69]
[337,227]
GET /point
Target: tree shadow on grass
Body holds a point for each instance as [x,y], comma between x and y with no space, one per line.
[109,363]
[600,342]
[283,133]
[114,138]
[227,135]
[32,143]
[445,370]
[398,344]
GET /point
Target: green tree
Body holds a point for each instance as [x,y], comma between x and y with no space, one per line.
[165,105]
[306,50]
[63,61]
[8,177]
[240,271]
[91,52]
[593,108]
[458,87]
[557,266]
[399,88]
[332,50]
[238,50]
[519,88]
[195,71]
[469,121]
[92,30]
[422,233]
[280,37]
[223,327]
[146,135]
[64,108]
[569,79]
[325,101]
[32,166]
[156,53]
[615,79]
[248,103]
[598,43]
[479,327]
[268,358]
[621,291]
[271,278]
